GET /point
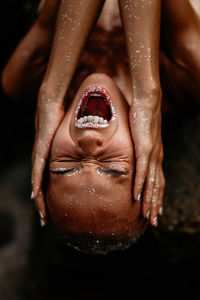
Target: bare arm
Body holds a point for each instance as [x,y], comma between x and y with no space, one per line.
[23,72]
[141,21]
[75,20]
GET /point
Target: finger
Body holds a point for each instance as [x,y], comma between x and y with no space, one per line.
[148,192]
[51,115]
[39,161]
[41,208]
[160,210]
[140,175]
[155,201]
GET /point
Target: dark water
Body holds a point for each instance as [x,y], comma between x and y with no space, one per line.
[33,264]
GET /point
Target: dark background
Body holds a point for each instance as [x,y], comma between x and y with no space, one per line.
[34,265]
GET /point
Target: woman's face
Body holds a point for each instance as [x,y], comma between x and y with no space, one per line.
[92,163]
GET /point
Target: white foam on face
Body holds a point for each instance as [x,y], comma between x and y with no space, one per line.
[76,171]
[67,196]
[103,173]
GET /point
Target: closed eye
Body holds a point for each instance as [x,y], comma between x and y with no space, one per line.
[60,171]
[112,172]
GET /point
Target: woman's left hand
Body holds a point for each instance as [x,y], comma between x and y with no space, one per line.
[145,123]
[48,117]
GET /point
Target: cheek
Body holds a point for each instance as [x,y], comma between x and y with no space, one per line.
[62,137]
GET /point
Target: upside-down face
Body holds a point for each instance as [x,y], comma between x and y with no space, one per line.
[92,164]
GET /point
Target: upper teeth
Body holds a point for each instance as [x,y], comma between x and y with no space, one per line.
[94,119]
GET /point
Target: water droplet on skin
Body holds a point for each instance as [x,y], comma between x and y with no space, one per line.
[91,190]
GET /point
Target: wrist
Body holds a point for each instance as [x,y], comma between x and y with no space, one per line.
[51,94]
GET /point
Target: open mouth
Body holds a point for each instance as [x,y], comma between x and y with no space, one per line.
[94,109]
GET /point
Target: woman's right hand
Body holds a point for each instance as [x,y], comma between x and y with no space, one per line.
[145,124]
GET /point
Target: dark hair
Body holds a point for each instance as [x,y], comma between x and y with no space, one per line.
[103,244]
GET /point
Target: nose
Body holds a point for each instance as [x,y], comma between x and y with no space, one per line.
[90,143]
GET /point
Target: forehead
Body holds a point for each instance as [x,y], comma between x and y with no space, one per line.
[81,204]
[90,196]
[89,192]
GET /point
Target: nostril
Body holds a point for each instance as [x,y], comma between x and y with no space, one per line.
[100,141]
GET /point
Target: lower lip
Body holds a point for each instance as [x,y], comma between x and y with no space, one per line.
[86,94]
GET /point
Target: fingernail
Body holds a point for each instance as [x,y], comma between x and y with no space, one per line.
[139,197]
[41,215]
[155,221]
[148,215]
[161,211]
[42,222]
[32,195]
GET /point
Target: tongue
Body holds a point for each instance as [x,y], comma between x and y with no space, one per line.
[96,106]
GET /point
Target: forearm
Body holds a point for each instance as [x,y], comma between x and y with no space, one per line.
[141,22]
[74,22]
[25,63]
[22,73]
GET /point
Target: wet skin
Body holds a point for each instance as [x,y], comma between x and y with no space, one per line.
[109,37]
[184,70]
[73,26]
[91,171]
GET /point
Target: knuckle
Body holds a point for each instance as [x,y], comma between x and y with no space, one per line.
[147,198]
[148,147]
[151,182]
[142,161]
[145,148]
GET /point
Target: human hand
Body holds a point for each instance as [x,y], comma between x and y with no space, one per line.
[48,117]
[145,123]
[70,35]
